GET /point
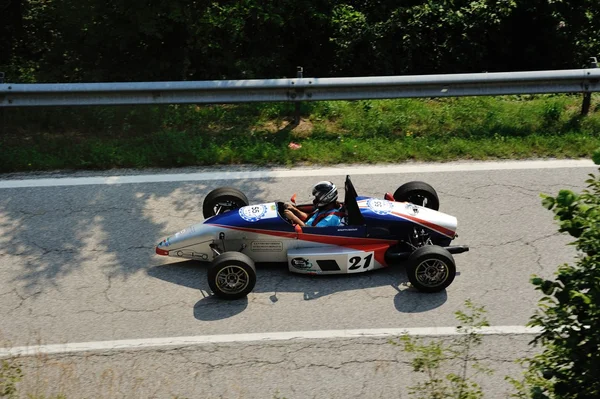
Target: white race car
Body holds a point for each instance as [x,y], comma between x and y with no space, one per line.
[376,233]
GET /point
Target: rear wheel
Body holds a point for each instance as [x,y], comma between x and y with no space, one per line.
[231,275]
[418,193]
[431,268]
[223,199]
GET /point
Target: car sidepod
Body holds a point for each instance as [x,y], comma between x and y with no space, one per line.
[337,259]
[337,250]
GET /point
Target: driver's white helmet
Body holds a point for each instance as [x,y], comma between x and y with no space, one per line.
[325,192]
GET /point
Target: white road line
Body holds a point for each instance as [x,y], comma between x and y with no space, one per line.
[255,337]
[298,172]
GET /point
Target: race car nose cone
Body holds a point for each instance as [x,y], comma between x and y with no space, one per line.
[160,249]
[162,252]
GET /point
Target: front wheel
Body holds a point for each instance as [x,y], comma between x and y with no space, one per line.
[223,199]
[418,193]
[231,275]
[431,268]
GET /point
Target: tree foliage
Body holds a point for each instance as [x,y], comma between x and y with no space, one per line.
[117,40]
[569,312]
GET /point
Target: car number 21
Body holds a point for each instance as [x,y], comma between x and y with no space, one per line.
[360,263]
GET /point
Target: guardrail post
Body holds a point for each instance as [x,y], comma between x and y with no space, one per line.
[587,97]
[299,74]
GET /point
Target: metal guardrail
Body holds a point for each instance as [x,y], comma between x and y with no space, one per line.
[301,89]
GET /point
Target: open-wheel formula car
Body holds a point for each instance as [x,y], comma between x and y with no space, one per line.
[402,228]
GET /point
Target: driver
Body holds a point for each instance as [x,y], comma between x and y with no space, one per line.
[328,211]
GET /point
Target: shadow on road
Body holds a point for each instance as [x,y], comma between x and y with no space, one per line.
[410,300]
[55,232]
[211,308]
[276,279]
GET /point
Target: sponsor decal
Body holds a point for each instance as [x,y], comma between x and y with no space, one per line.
[301,263]
[266,246]
[253,213]
[380,207]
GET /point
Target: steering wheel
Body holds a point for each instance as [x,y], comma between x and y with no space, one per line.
[281,210]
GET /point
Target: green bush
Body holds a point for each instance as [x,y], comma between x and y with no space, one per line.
[569,312]
[431,358]
[10,375]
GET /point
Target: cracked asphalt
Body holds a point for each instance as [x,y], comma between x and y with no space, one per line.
[77,264]
[369,368]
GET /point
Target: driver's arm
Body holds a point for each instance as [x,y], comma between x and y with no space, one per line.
[296,212]
[288,213]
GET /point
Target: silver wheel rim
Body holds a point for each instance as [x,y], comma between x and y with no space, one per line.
[232,279]
[432,272]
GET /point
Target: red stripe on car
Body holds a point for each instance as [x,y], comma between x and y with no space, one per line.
[377,245]
[432,226]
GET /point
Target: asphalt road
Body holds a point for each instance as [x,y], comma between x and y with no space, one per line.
[77,264]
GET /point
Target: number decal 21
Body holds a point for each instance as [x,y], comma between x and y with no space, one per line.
[360,262]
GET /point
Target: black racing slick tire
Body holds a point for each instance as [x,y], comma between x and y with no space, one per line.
[223,199]
[418,193]
[431,268]
[231,275]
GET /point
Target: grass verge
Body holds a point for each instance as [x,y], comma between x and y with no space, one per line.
[510,127]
